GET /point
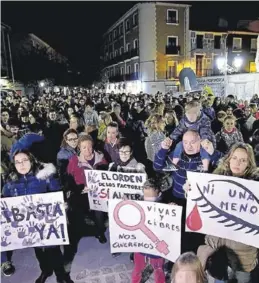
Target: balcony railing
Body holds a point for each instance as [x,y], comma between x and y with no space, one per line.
[172,50]
[126,77]
[207,72]
[172,21]
[122,57]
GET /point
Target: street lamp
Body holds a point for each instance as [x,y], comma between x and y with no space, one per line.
[221,63]
[42,84]
[238,61]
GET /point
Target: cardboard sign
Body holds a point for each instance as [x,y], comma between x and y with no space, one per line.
[33,221]
[101,182]
[145,227]
[225,207]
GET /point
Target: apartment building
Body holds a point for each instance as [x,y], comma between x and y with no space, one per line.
[208,46]
[145,49]
[6,53]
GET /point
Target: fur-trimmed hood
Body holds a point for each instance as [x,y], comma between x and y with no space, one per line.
[48,170]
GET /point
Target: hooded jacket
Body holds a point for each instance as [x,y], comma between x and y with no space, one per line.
[41,182]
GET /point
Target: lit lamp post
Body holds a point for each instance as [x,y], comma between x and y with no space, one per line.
[238,62]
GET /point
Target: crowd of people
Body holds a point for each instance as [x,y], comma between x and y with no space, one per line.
[48,141]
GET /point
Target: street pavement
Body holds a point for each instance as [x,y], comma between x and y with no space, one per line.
[93,264]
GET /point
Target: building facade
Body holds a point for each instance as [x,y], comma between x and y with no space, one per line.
[208,46]
[145,48]
[6,53]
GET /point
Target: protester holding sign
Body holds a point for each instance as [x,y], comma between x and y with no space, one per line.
[27,176]
[190,160]
[239,162]
[127,163]
[151,193]
[88,159]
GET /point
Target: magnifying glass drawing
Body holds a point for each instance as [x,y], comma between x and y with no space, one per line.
[161,246]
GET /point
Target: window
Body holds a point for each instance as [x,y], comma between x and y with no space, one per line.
[110,37]
[253,44]
[171,69]
[115,53]
[217,41]
[120,29]
[135,19]
[108,74]
[114,33]
[237,43]
[200,41]
[122,71]
[136,67]
[172,41]
[127,24]
[128,47]
[128,69]
[135,44]
[172,17]
[111,55]
[121,50]
[111,72]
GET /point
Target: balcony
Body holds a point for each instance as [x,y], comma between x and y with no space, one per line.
[171,75]
[126,77]
[122,57]
[172,50]
[172,21]
[207,73]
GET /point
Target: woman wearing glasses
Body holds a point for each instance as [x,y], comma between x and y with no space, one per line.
[67,150]
[27,176]
[127,164]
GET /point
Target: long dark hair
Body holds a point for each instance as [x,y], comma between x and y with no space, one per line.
[36,166]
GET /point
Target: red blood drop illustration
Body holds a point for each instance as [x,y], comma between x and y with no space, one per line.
[194,221]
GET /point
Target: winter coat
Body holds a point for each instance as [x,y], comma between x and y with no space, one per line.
[63,158]
[42,182]
[210,112]
[186,163]
[91,119]
[153,144]
[202,126]
[225,139]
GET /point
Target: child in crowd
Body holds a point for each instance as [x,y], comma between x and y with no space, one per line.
[151,193]
[228,135]
[196,120]
[188,269]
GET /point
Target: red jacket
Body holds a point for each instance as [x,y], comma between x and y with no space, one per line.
[76,168]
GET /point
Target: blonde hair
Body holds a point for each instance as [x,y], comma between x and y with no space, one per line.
[159,108]
[173,115]
[224,167]
[189,259]
[154,123]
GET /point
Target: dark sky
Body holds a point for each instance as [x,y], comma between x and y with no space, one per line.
[75,28]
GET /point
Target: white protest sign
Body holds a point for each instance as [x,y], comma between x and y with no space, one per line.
[145,227]
[225,207]
[101,182]
[33,221]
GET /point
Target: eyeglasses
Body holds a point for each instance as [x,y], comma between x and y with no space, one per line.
[21,162]
[124,152]
[74,140]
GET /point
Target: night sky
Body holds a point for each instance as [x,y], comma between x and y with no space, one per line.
[75,28]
